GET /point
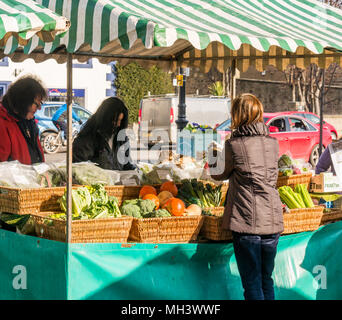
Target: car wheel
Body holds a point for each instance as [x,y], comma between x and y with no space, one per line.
[49,143]
[333,136]
[314,156]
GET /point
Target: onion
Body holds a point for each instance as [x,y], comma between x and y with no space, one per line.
[193,210]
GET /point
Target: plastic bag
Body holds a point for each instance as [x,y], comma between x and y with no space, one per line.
[17,175]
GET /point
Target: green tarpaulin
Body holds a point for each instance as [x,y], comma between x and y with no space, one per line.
[308,266]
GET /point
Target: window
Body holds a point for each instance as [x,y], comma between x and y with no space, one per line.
[88,64]
[225,126]
[298,125]
[82,114]
[4,62]
[50,111]
[314,119]
[3,87]
[279,123]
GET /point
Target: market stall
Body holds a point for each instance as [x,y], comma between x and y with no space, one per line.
[132,269]
[307,266]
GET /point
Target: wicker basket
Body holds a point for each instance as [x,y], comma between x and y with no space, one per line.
[300,220]
[166,230]
[212,226]
[123,192]
[27,201]
[330,216]
[295,179]
[84,231]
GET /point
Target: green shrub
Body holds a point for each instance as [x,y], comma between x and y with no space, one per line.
[134,82]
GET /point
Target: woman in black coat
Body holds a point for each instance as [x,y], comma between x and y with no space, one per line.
[103,138]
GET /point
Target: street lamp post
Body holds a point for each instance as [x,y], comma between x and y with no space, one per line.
[181,121]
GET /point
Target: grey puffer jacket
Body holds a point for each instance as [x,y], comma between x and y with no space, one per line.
[250,161]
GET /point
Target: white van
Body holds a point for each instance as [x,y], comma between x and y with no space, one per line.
[158,115]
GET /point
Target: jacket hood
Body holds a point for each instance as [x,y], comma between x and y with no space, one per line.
[254,129]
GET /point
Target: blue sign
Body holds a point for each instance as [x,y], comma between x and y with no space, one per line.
[63,92]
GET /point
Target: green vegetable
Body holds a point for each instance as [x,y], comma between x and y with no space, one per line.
[146,206]
[81,198]
[137,208]
[195,192]
[12,219]
[98,194]
[303,191]
[131,209]
[286,171]
[91,202]
[158,214]
[285,161]
[287,197]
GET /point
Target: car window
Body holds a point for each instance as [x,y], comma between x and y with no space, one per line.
[298,125]
[310,126]
[47,112]
[225,126]
[314,119]
[82,114]
[265,119]
[279,123]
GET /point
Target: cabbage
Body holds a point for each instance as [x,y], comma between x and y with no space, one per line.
[81,199]
[285,161]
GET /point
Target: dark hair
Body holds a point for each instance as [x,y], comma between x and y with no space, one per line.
[21,94]
[105,117]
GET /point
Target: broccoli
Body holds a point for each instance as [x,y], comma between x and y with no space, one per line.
[131,201]
[131,209]
[158,214]
[146,206]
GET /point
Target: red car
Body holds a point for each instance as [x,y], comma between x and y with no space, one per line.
[297,136]
[314,118]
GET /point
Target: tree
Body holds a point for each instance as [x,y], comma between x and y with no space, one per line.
[134,82]
[334,3]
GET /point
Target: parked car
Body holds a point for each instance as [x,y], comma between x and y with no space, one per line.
[161,113]
[297,136]
[315,119]
[44,118]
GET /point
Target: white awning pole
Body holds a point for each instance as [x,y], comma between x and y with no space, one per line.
[69,148]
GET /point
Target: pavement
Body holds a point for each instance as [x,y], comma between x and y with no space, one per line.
[143,155]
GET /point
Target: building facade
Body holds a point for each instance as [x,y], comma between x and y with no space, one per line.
[92,81]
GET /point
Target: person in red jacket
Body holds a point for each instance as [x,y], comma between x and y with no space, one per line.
[19,134]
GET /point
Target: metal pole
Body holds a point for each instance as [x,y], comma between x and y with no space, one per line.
[233,81]
[321,115]
[181,121]
[69,147]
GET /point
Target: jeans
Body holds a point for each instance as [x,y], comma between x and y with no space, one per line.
[255,256]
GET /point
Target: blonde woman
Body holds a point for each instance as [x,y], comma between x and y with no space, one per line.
[253,210]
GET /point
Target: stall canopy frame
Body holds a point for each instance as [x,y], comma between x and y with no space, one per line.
[183,33]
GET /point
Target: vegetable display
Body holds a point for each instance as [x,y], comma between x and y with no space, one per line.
[295,199]
[288,166]
[195,192]
[90,202]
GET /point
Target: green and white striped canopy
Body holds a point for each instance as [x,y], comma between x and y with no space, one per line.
[164,31]
[22,19]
